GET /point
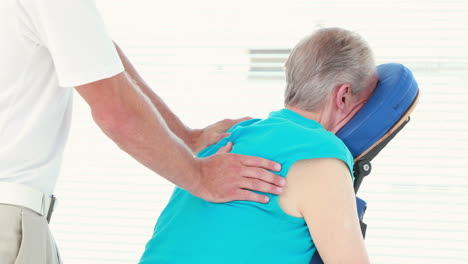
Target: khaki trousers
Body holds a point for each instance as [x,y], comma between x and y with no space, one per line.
[25,237]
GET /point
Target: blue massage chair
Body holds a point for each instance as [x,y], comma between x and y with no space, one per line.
[377,123]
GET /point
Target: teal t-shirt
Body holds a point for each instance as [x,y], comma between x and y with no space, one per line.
[192,230]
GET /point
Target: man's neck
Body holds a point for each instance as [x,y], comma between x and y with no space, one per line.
[319,115]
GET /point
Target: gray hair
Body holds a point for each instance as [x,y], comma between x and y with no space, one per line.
[324,60]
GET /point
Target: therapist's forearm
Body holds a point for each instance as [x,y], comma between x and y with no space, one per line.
[173,122]
[130,120]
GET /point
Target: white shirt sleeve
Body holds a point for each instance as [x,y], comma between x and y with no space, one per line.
[75,35]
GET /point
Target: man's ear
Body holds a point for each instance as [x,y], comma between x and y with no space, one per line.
[342,95]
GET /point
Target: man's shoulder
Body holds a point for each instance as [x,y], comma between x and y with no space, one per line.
[281,130]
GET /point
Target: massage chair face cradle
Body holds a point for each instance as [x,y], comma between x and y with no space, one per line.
[376,124]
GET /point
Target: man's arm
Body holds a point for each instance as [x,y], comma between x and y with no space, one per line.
[172,121]
[321,191]
[196,139]
[127,116]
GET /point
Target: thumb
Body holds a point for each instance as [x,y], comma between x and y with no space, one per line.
[243,119]
[237,121]
[225,149]
[228,123]
[218,137]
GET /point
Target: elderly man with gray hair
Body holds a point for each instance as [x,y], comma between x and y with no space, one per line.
[330,75]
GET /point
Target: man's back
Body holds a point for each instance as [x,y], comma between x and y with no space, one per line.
[191,230]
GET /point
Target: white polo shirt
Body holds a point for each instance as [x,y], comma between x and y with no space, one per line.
[47,47]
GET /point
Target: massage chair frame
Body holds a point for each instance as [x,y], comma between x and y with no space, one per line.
[362,163]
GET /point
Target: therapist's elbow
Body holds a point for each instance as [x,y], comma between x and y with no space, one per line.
[112,102]
[114,121]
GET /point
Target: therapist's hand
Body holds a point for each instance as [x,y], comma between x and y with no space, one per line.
[226,177]
[202,138]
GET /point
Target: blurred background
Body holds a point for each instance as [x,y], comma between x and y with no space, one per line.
[215,59]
